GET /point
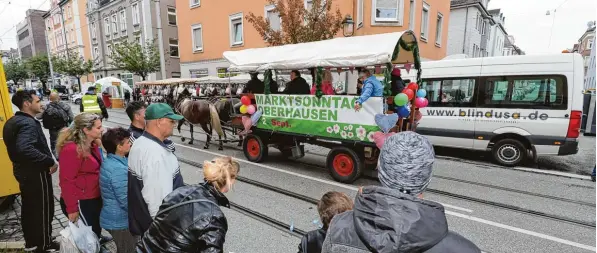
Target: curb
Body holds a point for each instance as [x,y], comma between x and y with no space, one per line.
[12,245]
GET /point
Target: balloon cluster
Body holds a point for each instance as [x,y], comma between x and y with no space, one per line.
[401,100]
[247,107]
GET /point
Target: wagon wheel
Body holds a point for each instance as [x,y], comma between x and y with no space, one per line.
[254,148]
[344,164]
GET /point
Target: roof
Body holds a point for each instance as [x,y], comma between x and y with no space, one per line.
[495,11]
[354,51]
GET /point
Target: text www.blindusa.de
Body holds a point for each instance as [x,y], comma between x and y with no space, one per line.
[474,113]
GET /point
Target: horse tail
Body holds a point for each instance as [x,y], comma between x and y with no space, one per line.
[215,120]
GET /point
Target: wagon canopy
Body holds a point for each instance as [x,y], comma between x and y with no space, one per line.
[357,51]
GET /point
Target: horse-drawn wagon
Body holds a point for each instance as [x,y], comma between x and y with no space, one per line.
[206,101]
[287,122]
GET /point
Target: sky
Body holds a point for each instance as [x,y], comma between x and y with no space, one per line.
[525,20]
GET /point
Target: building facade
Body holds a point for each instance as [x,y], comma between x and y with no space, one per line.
[497,33]
[209,28]
[141,21]
[585,44]
[8,55]
[31,39]
[470,27]
[510,47]
[66,27]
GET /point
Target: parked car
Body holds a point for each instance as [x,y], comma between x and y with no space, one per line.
[62,92]
[76,98]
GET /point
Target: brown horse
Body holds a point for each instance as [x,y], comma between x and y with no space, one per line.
[208,115]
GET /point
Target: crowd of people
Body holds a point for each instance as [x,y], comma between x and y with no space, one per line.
[128,182]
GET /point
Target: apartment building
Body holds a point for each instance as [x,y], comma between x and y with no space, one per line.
[31,39]
[469,28]
[66,27]
[510,47]
[585,44]
[209,28]
[497,33]
[140,21]
[8,55]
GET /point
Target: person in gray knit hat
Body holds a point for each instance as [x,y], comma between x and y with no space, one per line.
[393,217]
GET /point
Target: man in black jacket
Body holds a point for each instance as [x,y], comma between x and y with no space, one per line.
[297,85]
[56,116]
[254,85]
[32,166]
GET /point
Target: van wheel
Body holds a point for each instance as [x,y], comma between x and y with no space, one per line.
[509,152]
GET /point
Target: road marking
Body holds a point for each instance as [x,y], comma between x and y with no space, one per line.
[349,187]
[522,231]
[552,173]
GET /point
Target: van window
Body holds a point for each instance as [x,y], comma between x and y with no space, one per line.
[526,92]
[451,92]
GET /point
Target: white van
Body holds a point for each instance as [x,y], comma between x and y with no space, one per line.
[514,106]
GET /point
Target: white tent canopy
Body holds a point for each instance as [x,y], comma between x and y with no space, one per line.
[107,82]
[357,51]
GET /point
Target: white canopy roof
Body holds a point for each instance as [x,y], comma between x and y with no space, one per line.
[357,51]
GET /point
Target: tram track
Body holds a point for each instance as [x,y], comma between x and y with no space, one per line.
[490,186]
[434,191]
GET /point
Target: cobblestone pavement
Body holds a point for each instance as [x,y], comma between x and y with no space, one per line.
[10,224]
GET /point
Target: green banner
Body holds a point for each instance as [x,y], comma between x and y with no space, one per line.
[328,116]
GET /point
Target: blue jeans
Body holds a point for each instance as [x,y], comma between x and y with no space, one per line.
[593,174]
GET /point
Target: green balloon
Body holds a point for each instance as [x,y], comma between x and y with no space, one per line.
[401,99]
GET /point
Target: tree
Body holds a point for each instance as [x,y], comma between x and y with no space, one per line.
[39,66]
[299,24]
[72,64]
[15,70]
[135,58]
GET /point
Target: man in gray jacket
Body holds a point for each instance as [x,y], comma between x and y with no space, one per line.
[394,217]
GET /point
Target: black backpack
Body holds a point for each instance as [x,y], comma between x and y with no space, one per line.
[54,117]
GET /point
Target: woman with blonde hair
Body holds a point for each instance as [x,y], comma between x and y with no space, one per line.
[190,218]
[326,84]
[80,161]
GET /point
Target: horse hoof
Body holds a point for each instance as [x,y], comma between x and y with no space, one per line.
[190,142]
[183,138]
[205,147]
[220,148]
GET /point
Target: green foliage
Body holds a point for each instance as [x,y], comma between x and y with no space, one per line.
[299,24]
[39,67]
[72,64]
[15,70]
[135,58]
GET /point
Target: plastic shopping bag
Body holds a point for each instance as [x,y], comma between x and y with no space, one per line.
[84,238]
[67,244]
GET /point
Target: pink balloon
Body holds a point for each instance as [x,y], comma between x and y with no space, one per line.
[250,109]
[421,102]
[380,138]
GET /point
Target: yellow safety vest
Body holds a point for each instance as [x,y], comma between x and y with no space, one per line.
[90,104]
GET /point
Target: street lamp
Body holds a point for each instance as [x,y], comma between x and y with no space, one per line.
[348,25]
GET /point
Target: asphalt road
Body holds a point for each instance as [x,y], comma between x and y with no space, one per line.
[501,210]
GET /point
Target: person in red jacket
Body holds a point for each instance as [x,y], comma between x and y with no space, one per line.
[326,84]
[80,160]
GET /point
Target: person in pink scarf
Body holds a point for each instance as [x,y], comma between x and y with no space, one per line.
[326,84]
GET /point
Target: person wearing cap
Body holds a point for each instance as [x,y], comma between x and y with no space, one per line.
[91,103]
[397,82]
[371,88]
[154,170]
[394,217]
